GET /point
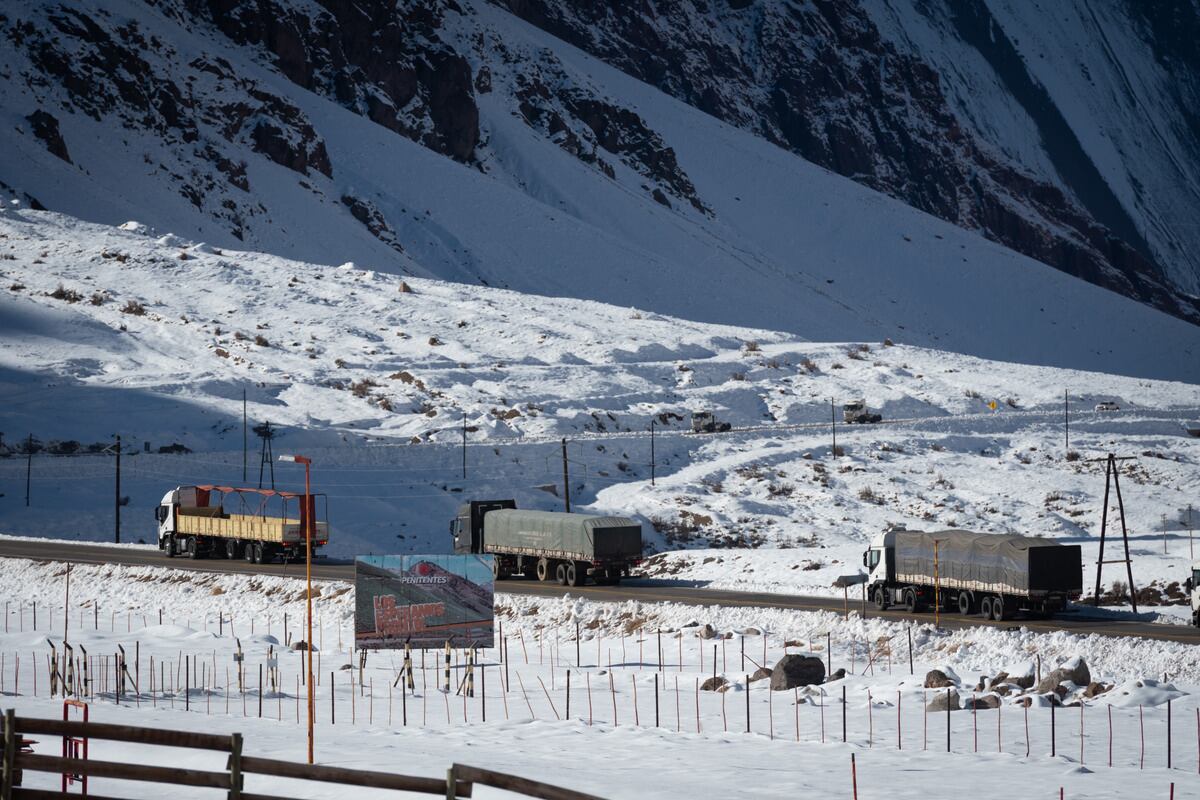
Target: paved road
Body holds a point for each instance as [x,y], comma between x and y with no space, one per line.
[643,590]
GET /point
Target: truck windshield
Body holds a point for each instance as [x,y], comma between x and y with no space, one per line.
[1196,577]
[873,559]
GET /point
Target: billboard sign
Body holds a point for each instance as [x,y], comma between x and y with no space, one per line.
[424,601]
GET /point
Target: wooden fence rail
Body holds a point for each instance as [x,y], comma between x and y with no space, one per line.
[459,781]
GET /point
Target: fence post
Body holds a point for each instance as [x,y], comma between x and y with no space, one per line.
[235,767]
[10,754]
[451,794]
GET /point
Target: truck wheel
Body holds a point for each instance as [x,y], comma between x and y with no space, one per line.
[543,569]
[499,573]
[999,609]
[560,573]
[231,549]
[169,545]
[985,607]
[248,551]
[193,547]
[910,600]
[575,576]
[881,599]
[964,603]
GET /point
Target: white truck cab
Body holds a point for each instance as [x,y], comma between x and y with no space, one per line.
[164,512]
[880,558]
[1193,588]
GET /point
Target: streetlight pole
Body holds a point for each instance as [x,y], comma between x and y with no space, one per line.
[307,516]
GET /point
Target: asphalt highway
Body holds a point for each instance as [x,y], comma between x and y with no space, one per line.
[641,589]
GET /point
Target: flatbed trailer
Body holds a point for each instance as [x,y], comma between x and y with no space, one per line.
[193,522]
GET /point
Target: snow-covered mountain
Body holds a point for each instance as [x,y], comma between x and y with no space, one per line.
[460,141]
[1065,131]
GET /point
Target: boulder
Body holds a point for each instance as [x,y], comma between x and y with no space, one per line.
[713,684]
[943,699]
[795,670]
[759,674]
[983,701]
[1056,678]
[707,632]
[936,679]
[1094,689]
[1002,689]
[1022,674]
[837,675]
[1076,671]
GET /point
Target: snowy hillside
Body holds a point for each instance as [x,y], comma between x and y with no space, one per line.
[573,179]
[148,335]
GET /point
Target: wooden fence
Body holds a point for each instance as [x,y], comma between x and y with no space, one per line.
[459,780]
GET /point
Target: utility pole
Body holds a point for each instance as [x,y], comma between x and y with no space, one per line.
[464,438]
[28,466]
[652,451]
[833,420]
[117,498]
[1067,420]
[566,478]
[245,437]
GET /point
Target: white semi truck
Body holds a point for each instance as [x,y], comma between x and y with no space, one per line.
[993,574]
[857,412]
[193,522]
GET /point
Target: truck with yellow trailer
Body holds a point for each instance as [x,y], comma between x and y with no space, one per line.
[259,525]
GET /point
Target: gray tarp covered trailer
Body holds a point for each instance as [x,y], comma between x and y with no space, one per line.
[580,537]
[1023,566]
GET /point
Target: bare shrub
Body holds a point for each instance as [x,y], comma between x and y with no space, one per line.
[362,388]
[241,337]
[751,346]
[133,307]
[65,294]
[16,287]
[888,343]
[405,288]
[340,363]
[1011,402]
[1073,455]
[98,298]
[738,376]
[868,495]
[971,393]
[809,365]
[261,341]
[434,341]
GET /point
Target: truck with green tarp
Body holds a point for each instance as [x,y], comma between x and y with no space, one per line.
[549,545]
[994,574]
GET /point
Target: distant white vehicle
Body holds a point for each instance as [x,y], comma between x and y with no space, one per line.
[856,411]
[1107,405]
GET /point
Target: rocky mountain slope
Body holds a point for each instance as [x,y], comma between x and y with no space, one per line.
[460,141]
[1065,132]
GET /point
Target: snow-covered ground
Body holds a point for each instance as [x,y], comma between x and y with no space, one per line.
[613,744]
[375,382]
